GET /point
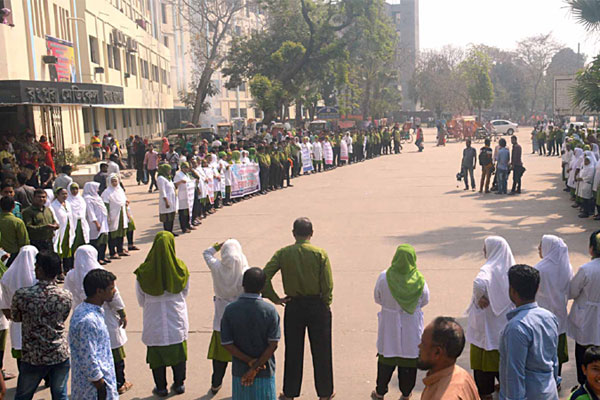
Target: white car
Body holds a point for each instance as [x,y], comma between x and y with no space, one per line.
[504,127]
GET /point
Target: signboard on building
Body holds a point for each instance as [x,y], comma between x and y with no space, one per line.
[64,69]
[563,103]
[46,92]
[328,113]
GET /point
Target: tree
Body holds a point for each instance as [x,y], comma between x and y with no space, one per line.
[300,50]
[587,13]
[476,73]
[585,92]
[209,23]
[536,53]
[437,82]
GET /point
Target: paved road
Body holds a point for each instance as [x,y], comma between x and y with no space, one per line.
[360,214]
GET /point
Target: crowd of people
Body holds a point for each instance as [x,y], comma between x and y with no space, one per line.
[194,177]
[499,163]
[517,320]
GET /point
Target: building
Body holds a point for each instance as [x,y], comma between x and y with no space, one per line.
[70,67]
[405,17]
[226,105]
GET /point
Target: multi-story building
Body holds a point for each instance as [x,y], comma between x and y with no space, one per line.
[70,67]
[226,105]
[405,17]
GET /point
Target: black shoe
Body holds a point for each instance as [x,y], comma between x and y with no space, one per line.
[584,215]
[178,389]
[160,392]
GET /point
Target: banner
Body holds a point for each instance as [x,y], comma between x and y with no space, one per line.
[64,69]
[328,153]
[343,150]
[307,165]
[245,179]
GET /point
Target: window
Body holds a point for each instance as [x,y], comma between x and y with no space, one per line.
[144,68]
[138,117]
[163,11]
[163,76]
[148,116]
[107,118]
[6,4]
[126,118]
[110,55]
[166,41]
[133,64]
[243,113]
[243,87]
[233,113]
[155,77]
[114,118]
[94,52]
[117,57]
[86,113]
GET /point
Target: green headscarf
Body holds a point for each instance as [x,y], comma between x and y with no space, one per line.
[164,170]
[404,280]
[222,154]
[236,155]
[162,271]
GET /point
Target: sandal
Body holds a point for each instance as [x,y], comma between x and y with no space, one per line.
[132,248]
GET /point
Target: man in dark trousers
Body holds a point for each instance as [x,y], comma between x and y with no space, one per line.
[517,165]
[308,285]
[468,163]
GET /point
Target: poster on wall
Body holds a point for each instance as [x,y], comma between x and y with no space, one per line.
[64,69]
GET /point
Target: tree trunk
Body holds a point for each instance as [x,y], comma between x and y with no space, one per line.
[269,116]
[299,112]
[201,94]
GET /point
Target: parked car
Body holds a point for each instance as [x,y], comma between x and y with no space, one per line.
[504,127]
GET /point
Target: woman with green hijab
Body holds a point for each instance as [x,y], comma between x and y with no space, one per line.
[162,285]
[167,202]
[402,292]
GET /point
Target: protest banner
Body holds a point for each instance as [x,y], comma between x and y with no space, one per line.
[244,180]
[328,153]
[307,165]
[343,150]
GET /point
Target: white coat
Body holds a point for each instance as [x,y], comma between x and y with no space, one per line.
[317,151]
[165,317]
[185,190]
[64,217]
[166,189]
[584,318]
[399,333]
[95,210]
[116,199]
[78,208]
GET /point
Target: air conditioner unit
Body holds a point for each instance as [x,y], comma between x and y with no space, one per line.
[131,45]
[134,48]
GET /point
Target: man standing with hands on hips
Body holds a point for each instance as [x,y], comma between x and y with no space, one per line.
[308,285]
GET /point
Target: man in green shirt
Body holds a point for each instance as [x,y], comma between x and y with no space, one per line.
[308,285]
[13,234]
[40,221]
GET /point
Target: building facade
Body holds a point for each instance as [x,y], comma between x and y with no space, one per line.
[226,105]
[71,67]
[405,17]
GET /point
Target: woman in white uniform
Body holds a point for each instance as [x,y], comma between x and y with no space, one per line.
[227,275]
[162,285]
[86,259]
[553,294]
[584,318]
[20,274]
[401,292]
[65,235]
[167,201]
[185,196]
[97,217]
[116,203]
[487,313]
[78,208]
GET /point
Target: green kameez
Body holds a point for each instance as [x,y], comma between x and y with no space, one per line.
[166,356]
[484,360]
[120,232]
[216,351]
[79,238]
[397,361]
[563,349]
[118,354]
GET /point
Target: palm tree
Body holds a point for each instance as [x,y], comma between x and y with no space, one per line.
[587,13]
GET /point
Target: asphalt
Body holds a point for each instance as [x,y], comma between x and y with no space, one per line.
[360,214]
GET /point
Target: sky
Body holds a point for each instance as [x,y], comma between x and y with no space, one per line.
[500,23]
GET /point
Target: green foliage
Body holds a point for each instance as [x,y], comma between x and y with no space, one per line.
[587,13]
[476,74]
[585,93]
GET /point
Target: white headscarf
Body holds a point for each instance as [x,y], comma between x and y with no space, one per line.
[91,196]
[495,273]
[555,263]
[596,151]
[77,203]
[86,259]
[593,160]
[116,199]
[227,279]
[49,196]
[22,271]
